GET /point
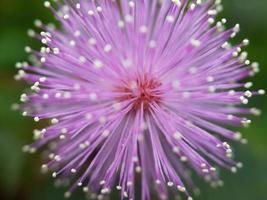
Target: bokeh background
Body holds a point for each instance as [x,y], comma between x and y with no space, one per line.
[20,177]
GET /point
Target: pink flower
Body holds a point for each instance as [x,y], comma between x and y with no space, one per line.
[148,87]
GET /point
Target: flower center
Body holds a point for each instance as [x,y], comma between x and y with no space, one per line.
[141,91]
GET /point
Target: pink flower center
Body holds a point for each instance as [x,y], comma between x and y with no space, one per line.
[142,91]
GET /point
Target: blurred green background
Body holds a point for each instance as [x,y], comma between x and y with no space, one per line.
[20,177]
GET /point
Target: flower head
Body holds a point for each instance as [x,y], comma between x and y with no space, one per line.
[135,88]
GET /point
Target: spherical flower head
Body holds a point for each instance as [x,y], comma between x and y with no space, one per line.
[137,88]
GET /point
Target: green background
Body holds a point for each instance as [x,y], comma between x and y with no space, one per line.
[20,177]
